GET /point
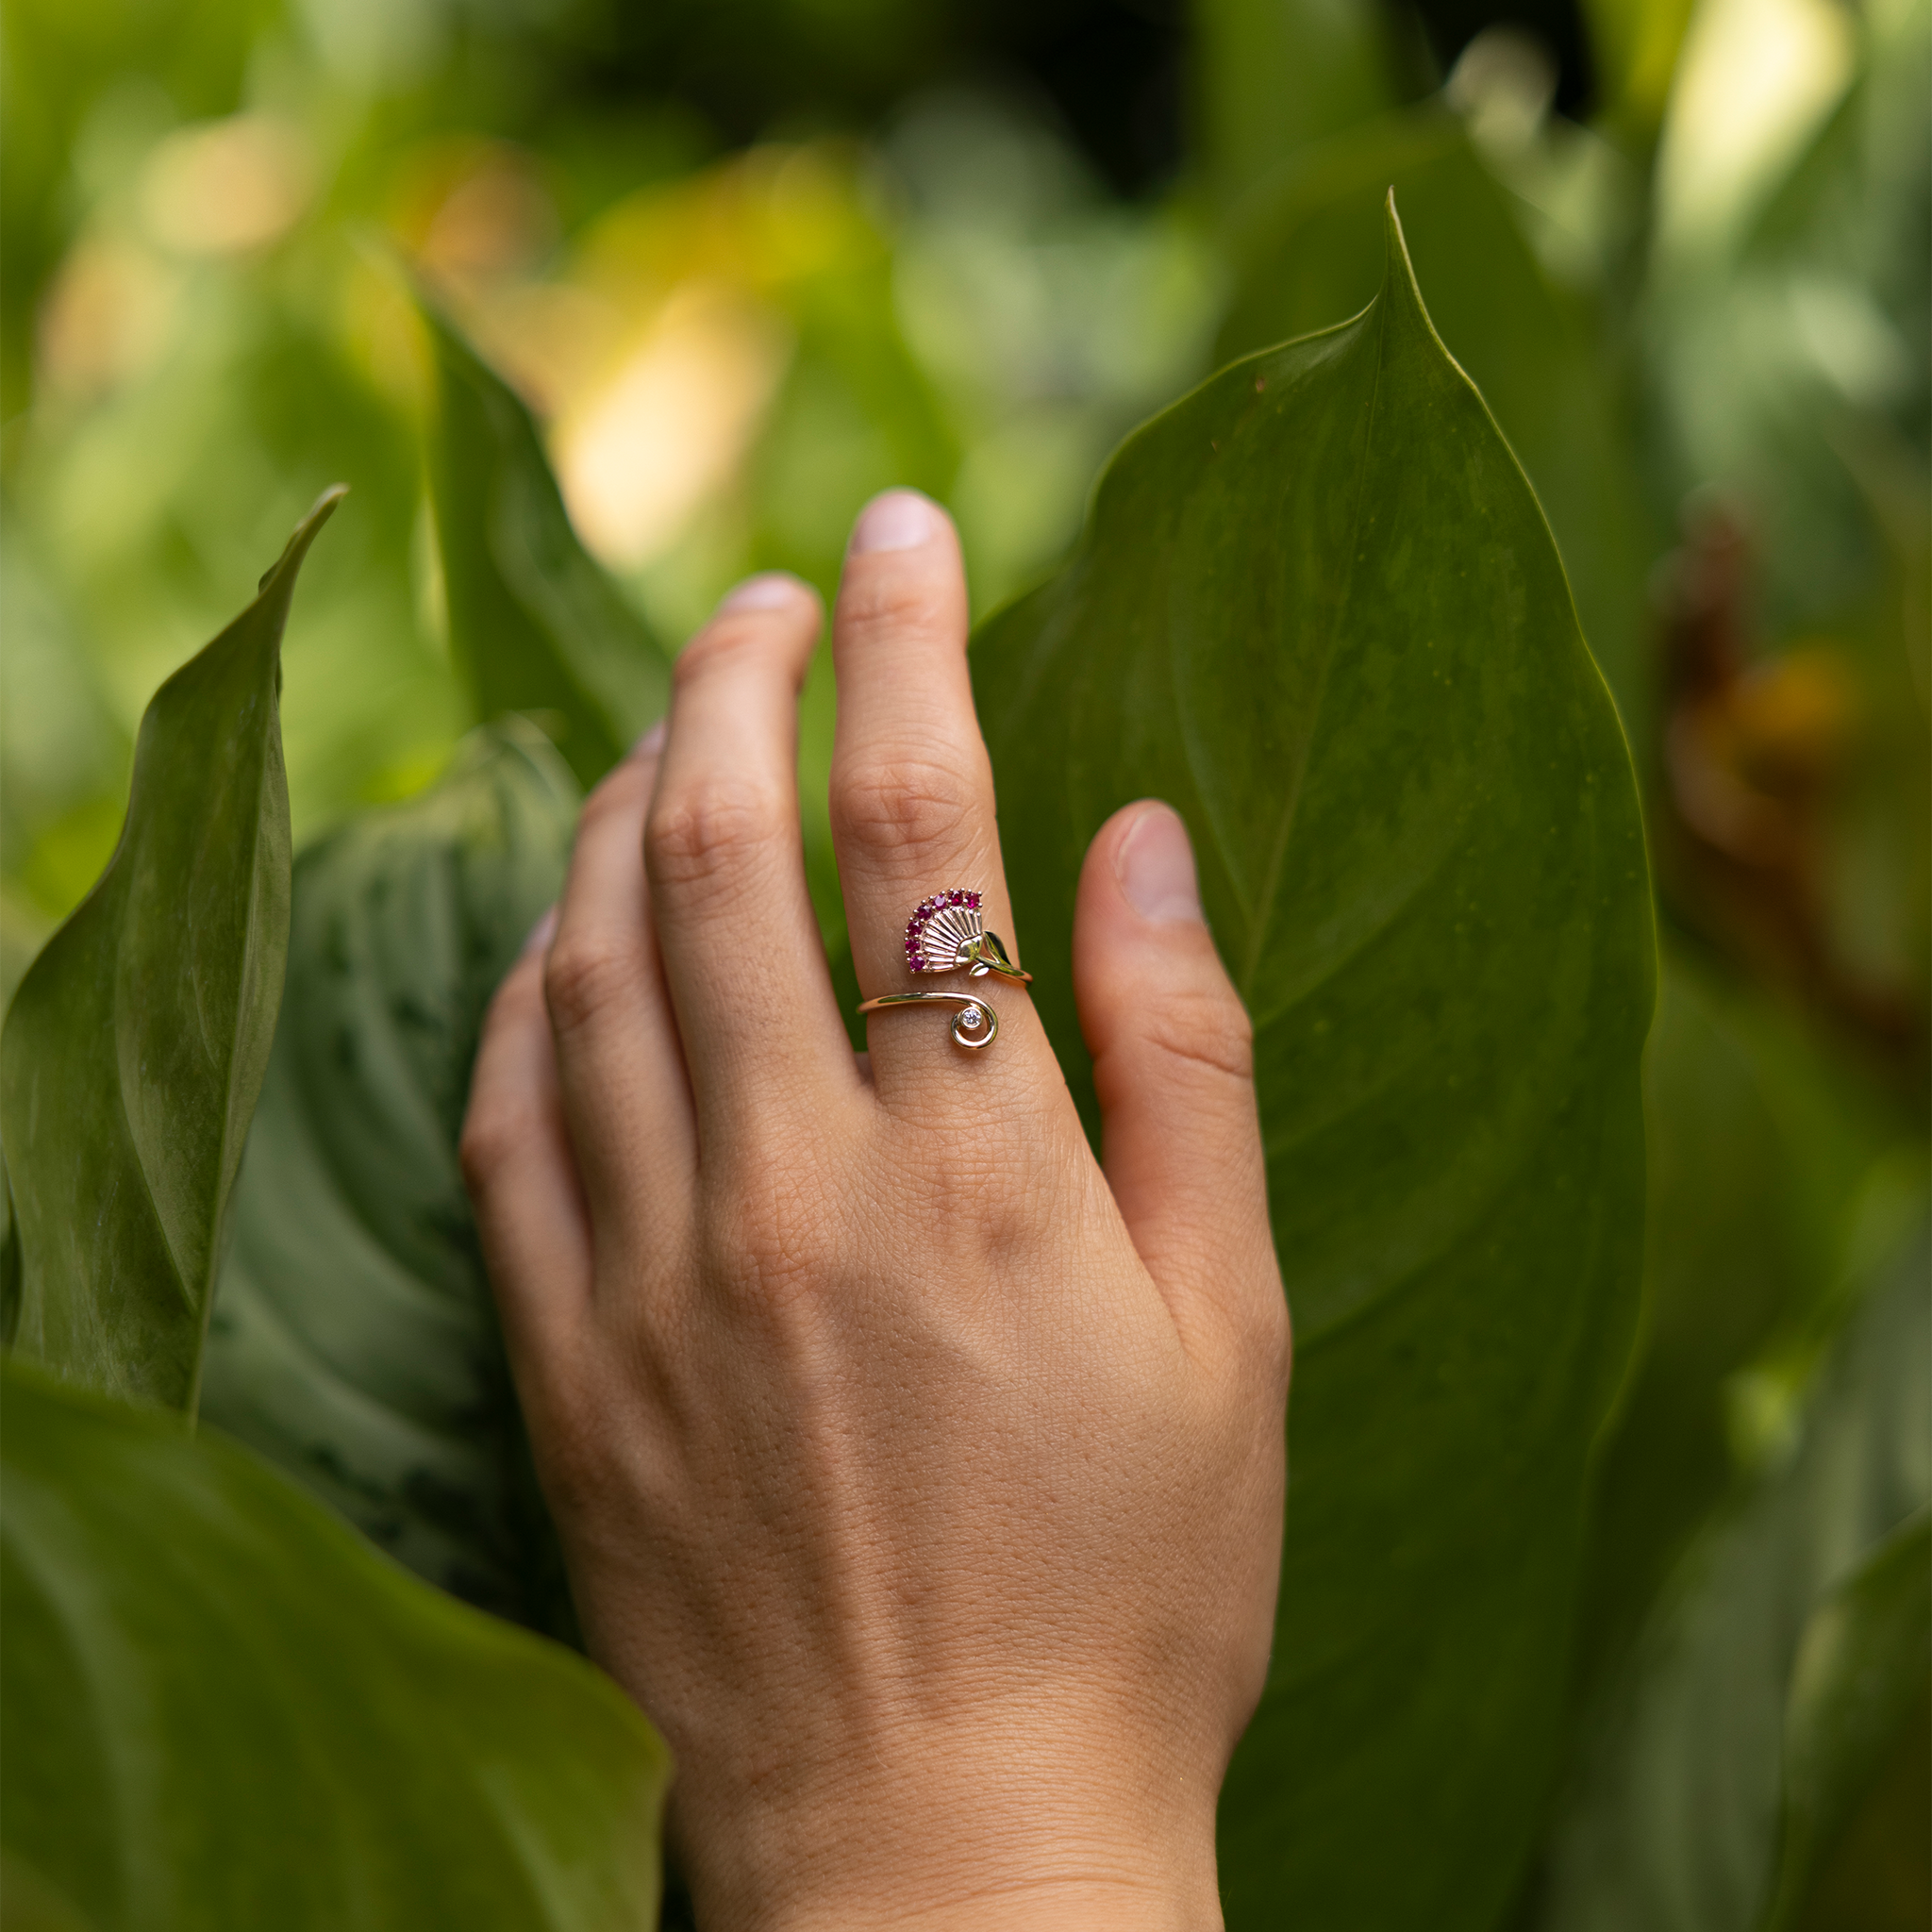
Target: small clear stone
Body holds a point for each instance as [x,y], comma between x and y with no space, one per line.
[970,1018]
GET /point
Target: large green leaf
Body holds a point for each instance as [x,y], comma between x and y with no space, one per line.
[1307,253]
[354,1342]
[534,622]
[225,1711]
[136,1044]
[1317,607]
[1674,1823]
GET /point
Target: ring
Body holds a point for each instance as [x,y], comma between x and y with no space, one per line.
[946,934]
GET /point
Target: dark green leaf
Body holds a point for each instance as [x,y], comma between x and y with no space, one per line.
[1674,1825]
[354,1343]
[226,1712]
[534,622]
[1308,253]
[136,1044]
[1316,606]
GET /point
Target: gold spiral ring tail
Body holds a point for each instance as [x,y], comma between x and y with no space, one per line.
[974,1025]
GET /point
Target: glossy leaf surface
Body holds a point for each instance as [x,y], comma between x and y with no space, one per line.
[534,622]
[136,1044]
[241,1717]
[354,1342]
[1307,254]
[1675,1824]
[1317,608]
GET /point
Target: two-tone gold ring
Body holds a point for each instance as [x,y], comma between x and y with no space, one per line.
[946,934]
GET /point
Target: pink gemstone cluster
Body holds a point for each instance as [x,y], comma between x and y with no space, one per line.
[916,960]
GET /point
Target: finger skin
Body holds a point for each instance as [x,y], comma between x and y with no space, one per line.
[726,853]
[522,1181]
[1173,1072]
[626,1100]
[912,805]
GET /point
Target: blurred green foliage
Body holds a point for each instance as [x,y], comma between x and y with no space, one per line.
[747,263]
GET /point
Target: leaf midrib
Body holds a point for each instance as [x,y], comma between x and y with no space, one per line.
[1271,886]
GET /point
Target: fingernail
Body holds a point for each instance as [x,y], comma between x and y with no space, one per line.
[899,520]
[1155,866]
[765,591]
[651,743]
[541,934]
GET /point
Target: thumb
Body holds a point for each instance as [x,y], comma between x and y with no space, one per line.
[1173,1070]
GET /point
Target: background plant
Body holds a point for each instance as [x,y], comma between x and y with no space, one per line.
[970,252]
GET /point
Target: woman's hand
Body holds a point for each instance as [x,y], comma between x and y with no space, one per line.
[922,1482]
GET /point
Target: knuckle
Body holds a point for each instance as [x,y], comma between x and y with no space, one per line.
[772,1237]
[491,1141]
[620,794]
[912,805]
[707,826]
[1199,1032]
[584,978]
[894,603]
[1275,1339]
[724,644]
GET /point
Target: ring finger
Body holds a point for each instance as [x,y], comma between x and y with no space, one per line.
[912,796]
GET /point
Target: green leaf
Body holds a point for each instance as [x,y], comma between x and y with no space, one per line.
[353,1340]
[241,1716]
[534,622]
[1317,608]
[136,1044]
[1308,253]
[1744,1697]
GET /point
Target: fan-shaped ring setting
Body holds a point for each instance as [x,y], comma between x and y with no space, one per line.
[947,934]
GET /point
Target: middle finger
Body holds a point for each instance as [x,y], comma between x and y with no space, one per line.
[726,861]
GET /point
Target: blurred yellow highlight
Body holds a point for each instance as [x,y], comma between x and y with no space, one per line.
[226,185]
[636,459]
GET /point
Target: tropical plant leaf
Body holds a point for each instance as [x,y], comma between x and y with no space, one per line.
[136,1044]
[534,622]
[1743,1703]
[241,1716]
[1307,252]
[354,1342]
[1317,607]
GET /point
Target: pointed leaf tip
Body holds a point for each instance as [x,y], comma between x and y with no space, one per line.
[1400,272]
[304,534]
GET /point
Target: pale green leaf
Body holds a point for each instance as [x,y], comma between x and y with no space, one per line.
[1857,1684]
[1675,1822]
[353,1340]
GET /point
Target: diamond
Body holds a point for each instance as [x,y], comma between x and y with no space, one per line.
[972,1019]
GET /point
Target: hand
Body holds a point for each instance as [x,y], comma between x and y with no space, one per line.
[922,1482]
